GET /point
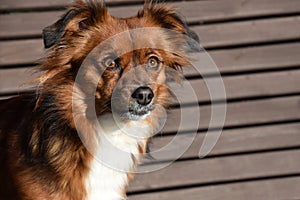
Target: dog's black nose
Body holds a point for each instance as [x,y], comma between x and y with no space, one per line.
[143,95]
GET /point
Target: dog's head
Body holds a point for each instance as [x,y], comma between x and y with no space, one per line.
[123,63]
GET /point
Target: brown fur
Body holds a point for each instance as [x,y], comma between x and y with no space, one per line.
[41,154]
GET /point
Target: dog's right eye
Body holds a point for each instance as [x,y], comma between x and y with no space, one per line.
[153,63]
[110,64]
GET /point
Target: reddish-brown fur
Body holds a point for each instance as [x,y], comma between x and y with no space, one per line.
[41,154]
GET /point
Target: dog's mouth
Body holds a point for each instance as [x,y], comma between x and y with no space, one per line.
[138,112]
[133,111]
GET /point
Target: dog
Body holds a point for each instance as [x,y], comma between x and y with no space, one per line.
[81,134]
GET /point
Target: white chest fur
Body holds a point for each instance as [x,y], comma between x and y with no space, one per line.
[117,155]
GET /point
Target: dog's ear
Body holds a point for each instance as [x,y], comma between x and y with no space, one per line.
[80,16]
[52,33]
[166,17]
[183,40]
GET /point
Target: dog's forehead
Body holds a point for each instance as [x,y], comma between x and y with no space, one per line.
[130,34]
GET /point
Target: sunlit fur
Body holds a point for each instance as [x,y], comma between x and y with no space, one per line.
[41,153]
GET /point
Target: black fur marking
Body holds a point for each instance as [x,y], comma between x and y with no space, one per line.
[148,151]
[52,33]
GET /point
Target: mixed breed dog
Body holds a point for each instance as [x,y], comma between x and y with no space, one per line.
[102,88]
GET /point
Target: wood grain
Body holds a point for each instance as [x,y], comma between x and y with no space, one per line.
[197,11]
[219,169]
[37,4]
[231,141]
[286,188]
[16,80]
[237,114]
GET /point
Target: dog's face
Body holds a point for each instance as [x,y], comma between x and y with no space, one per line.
[125,62]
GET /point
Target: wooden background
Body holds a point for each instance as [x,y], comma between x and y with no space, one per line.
[255,44]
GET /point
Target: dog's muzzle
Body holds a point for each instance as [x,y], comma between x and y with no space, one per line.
[142,105]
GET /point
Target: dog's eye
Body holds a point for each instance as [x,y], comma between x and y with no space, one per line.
[110,64]
[153,63]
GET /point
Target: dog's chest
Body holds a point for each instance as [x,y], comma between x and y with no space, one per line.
[105,183]
[117,155]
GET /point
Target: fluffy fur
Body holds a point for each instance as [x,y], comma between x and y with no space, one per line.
[43,143]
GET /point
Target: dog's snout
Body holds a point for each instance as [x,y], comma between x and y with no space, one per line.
[143,95]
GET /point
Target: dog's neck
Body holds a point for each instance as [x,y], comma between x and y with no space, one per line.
[119,149]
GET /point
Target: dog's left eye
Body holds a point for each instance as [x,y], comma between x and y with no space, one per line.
[110,64]
[153,63]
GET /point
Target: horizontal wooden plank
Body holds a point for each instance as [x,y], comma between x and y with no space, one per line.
[22,25]
[197,11]
[285,188]
[223,10]
[248,59]
[32,4]
[249,32]
[242,86]
[20,52]
[26,24]
[237,114]
[218,169]
[16,80]
[37,4]
[233,141]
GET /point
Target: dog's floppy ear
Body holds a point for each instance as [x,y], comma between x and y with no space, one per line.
[81,13]
[184,41]
[167,17]
[52,33]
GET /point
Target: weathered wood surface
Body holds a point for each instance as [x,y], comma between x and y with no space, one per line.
[285,188]
[53,4]
[200,171]
[197,11]
[16,80]
[237,114]
[234,141]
